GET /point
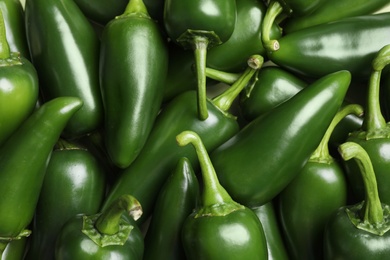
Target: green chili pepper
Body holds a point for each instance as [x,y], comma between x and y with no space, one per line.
[13,15]
[307,202]
[374,134]
[74,184]
[267,154]
[18,88]
[144,179]
[219,221]
[232,55]
[359,231]
[176,200]
[275,241]
[64,49]
[200,30]
[333,10]
[23,161]
[104,235]
[15,249]
[133,67]
[347,44]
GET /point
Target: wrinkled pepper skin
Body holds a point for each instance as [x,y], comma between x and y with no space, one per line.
[347,44]
[270,222]
[176,201]
[13,14]
[144,179]
[81,191]
[23,161]
[263,157]
[244,41]
[64,50]
[333,10]
[133,68]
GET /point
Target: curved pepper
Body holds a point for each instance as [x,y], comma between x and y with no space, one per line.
[15,250]
[133,68]
[200,30]
[23,161]
[267,154]
[359,231]
[144,179]
[307,202]
[64,50]
[103,235]
[347,44]
[219,220]
[13,15]
[374,136]
[74,184]
[176,200]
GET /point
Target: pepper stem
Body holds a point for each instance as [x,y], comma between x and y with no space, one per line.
[215,199]
[273,11]
[322,151]
[136,6]
[373,212]
[5,52]
[374,119]
[222,76]
[108,221]
[225,100]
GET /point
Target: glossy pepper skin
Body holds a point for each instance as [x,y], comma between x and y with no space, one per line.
[15,249]
[64,50]
[104,235]
[133,68]
[23,161]
[219,221]
[333,10]
[200,30]
[361,230]
[309,200]
[81,191]
[19,87]
[13,15]
[244,40]
[176,200]
[347,44]
[144,179]
[275,243]
[264,156]
[374,133]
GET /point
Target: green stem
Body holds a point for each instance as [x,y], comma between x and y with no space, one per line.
[108,221]
[225,100]
[199,46]
[322,151]
[5,52]
[214,196]
[274,10]
[373,212]
[222,76]
[374,119]
[136,6]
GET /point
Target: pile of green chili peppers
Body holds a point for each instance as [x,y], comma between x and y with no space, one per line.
[199,130]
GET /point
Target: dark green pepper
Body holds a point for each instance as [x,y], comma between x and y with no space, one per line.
[145,176]
[13,15]
[374,134]
[23,161]
[347,44]
[81,191]
[219,221]
[104,235]
[64,49]
[267,154]
[200,30]
[18,87]
[359,231]
[176,200]
[133,68]
[307,202]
